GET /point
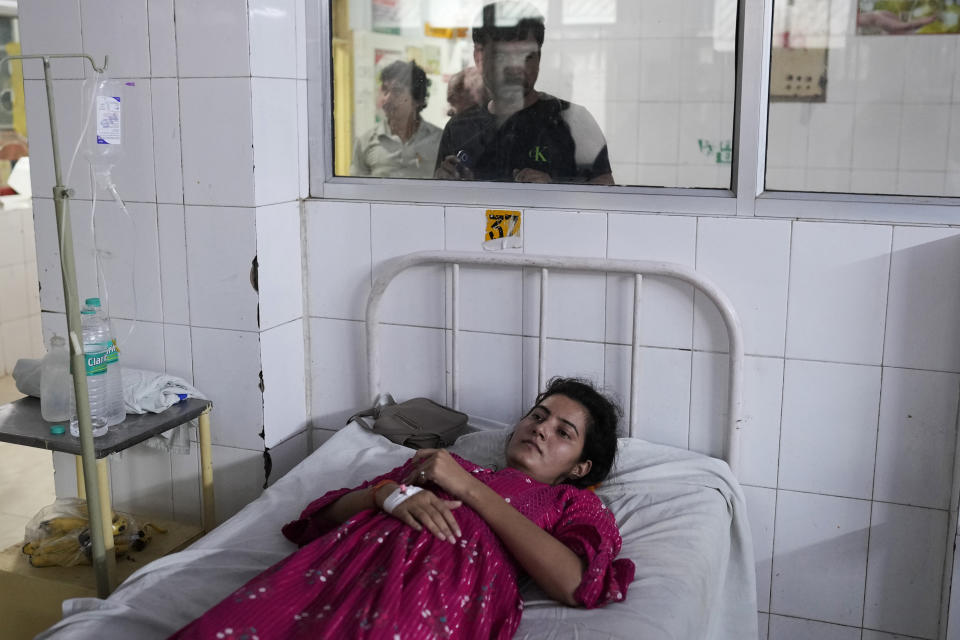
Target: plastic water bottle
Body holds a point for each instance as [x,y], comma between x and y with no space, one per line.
[101,360]
[115,411]
[56,383]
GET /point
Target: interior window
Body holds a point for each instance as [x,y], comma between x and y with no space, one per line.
[540,91]
[864,97]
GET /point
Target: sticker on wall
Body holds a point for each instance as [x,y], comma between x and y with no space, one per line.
[503,230]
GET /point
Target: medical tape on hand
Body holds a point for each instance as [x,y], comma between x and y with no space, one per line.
[399,494]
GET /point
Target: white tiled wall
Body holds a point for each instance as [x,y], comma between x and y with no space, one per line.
[204,277]
[851,391]
[20,335]
[851,387]
[881,128]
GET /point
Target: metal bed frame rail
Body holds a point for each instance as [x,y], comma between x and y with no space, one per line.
[389,269]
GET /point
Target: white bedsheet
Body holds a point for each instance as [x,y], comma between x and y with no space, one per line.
[682,517]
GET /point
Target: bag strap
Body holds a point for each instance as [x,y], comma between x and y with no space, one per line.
[383,400]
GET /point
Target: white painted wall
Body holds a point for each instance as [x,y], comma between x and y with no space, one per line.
[19,298]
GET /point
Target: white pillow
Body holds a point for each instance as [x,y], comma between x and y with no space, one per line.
[485,448]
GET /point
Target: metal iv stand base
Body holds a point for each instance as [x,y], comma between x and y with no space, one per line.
[98,500]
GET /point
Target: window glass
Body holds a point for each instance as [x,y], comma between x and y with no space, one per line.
[864,97]
[566,91]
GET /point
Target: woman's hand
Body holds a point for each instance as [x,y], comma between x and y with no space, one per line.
[425,509]
[439,467]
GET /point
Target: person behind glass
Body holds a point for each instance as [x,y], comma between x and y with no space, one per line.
[465,90]
[520,134]
[436,547]
[402,145]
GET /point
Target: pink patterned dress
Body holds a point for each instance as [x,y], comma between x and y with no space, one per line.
[376,577]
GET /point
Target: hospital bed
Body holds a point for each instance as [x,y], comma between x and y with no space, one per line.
[681,514]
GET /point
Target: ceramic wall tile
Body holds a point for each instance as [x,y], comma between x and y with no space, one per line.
[491,299]
[240,477]
[566,233]
[51,26]
[117,30]
[178,351]
[666,303]
[489,381]
[905,570]
[171,233]
[915,442]
[217,140]
[819,558]
[873,146]
[658,132]
[273,38]
[561,358]
[783,628]
[663,414]
[68,98]
[226,368]
[839,275]
[141,344]
[828,438]
[168,163]
[286,455]
[185,485]
[760,413]
[284,382]
[276,171]
[413,298]
[279,269]
[923,147]
[761,511]
[749,260]
[141,481]
[129,252]
[221,247]
[338,371]
[413,363]
[163,38]
[338,258]
[48,253]
[199,55]
[922,308]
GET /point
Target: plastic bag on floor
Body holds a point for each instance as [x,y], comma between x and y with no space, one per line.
[59,534]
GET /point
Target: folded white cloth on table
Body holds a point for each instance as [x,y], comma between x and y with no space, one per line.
[143,391]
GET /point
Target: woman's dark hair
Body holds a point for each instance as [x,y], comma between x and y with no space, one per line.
[508,21]
[411,76]
[600,443]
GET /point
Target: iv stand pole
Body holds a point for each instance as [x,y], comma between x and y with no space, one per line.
[104,564]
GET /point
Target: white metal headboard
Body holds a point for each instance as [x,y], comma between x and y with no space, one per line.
[389,269]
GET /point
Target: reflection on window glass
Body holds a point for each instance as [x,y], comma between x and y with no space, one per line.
[560,91]
[864,97]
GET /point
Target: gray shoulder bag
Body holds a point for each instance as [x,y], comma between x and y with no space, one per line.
[418,423]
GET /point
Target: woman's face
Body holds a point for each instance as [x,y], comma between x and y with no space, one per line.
[547,443]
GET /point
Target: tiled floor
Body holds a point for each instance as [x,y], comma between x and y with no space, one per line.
[26,479]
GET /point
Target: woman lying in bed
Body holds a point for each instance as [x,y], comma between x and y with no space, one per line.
[434,548]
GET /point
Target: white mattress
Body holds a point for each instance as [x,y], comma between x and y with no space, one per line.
[681,515]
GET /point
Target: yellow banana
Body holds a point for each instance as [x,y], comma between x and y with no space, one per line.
[63,525]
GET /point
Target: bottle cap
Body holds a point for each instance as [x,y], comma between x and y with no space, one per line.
[92,302]
[57,430]
[87,312]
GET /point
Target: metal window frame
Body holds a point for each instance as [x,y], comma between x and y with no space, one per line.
[745,198]
[389,269]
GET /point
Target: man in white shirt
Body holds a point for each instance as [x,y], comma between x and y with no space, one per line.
[402,145]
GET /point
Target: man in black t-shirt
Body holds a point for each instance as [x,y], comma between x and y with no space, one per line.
[520,134]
